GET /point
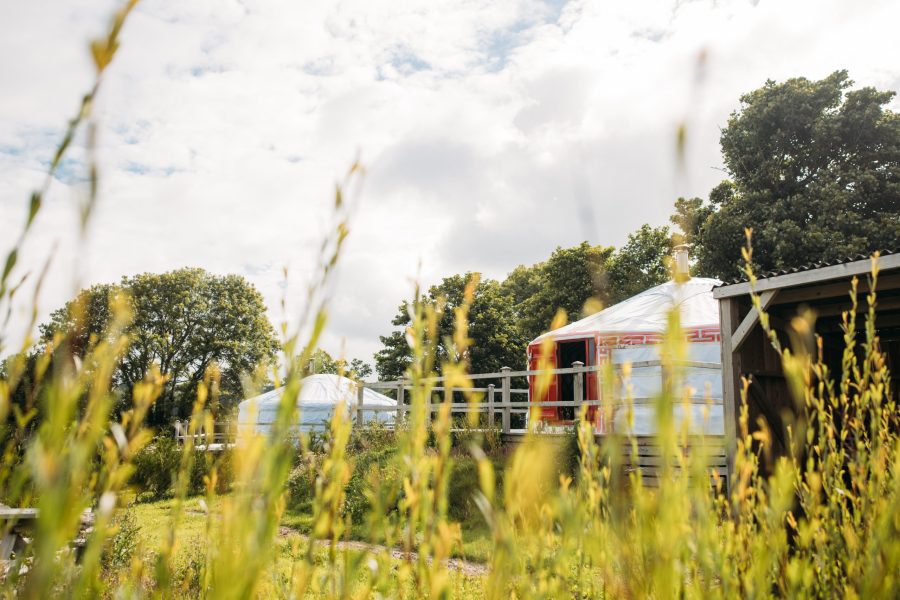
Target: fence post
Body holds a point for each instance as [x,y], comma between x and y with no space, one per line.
[178,434]
[505,398]
[491,405]
[311,367]
[578,385]
[360,392]
[401,399]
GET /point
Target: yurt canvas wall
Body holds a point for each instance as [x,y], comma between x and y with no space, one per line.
[631,332]
[319,396]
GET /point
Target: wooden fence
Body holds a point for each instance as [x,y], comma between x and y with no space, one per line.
[499,398]
[642,456]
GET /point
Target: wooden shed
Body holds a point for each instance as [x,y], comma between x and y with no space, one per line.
[822,287]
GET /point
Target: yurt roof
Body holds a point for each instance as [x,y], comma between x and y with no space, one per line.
[648,311]
[323,390]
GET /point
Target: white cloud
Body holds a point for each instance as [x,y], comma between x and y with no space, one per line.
[492,132]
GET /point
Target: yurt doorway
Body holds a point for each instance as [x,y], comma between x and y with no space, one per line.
[566,354]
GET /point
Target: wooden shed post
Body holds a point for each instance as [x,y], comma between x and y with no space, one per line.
[731,379]
[505,399]
[578,387]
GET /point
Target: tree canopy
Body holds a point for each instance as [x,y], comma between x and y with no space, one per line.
[505,317]
[355,368]
[566,280]
[641,263]
[814,169]
[584,279]
[183,323]
[497,341]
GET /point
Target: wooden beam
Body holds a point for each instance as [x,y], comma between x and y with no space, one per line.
[859,267]
[728,320]
[835,310]
[752,318]
[835,290]
[881,322]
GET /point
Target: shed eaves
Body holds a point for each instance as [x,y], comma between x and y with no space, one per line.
[810,274]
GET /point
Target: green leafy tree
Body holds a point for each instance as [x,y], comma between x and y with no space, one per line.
[690,215]
[522,283]
[814,169]
[323,362]
[641,263]
[497,341]
[505,317]
[567,280]
[183,323]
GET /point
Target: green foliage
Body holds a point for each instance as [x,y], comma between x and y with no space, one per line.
[822,522]
[301,483]
[370,468]
[690,215]
[465,488]
[183,323]
[505,317]
[156,469]
[322,362]
[156,466]
[373,448]
[373,436]
[814,169]
[464,437]
[123,544]
[567,280]
[643,262]
[497,341]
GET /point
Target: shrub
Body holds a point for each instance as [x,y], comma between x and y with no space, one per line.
[369,467]
[464,485]
[301,483]
[157,464]
[484,436]
[189,570]
[372,436]
[155,467]
[120,548]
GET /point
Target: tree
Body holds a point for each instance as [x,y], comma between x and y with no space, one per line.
[567,280]
[814,169]
[183,323]
[324,363]
[640,264]
[496,341]
[690,216]
[505,317]
[522,283]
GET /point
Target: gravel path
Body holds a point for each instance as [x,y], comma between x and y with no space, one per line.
[463,566]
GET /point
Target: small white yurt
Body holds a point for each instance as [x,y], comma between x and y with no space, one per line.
[631,332]
[319,396]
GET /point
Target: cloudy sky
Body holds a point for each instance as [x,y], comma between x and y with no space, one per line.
[491,132]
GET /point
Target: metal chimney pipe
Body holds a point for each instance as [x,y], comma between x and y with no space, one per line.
[682,262]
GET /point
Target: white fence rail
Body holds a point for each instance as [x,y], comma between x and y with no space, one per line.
[497,397]
[505,405]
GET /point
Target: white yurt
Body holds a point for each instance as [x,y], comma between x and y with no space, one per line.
[318,398]
[631,332]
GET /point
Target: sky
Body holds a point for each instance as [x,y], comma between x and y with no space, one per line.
[490,132]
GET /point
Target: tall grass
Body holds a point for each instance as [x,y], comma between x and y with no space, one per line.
[825,522]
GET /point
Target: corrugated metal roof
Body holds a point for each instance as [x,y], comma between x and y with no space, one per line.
[810,266]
